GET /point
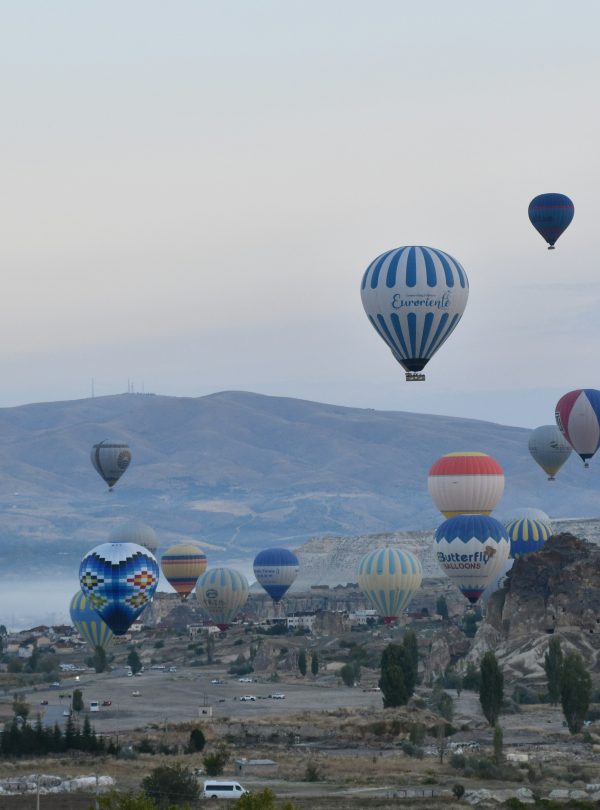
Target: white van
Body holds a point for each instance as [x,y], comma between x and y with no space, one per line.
[222,790]
[94,706]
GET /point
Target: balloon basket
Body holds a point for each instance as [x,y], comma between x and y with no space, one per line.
[551,247]
[415,376]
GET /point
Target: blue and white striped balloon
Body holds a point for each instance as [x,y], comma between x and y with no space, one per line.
[389,577]
[222,592]
[527,535]
[414,297]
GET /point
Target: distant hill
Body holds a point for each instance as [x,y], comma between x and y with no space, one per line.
[241,471]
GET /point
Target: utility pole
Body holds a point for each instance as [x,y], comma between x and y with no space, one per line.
[37,792]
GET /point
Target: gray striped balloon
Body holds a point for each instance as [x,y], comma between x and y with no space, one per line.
[414,298]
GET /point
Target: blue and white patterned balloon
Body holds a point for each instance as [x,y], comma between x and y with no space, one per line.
[389,577]
[275,570]
[119,579]
[414,297]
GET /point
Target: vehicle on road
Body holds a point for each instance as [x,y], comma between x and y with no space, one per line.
[218,681]
[223,790]
[43,702]
[107,702]
[277,696]
[172,669]
[245,680]
[67,713]
[55,683]
[248,697]
[136,693]
[94,706]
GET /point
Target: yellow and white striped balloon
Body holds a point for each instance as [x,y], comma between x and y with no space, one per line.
[389,577]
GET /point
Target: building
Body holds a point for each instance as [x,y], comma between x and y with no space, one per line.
[303,620]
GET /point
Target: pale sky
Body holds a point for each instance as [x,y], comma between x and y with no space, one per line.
[191,192]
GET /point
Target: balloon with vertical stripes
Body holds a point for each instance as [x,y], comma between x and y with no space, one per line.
[222,592]
[414,298]
[389,577]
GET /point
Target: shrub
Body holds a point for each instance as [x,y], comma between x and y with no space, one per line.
[458,761]
[312,772]
[214,764]
[197,740]
[411,750]
[171,784]
[458,790]
[145,746]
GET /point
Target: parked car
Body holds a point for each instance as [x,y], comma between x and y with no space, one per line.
[43,702]
[136,693]
[277,696]
[172,669]
[248,697]
[217,681]
[222,790]
[245,680]
[107,702]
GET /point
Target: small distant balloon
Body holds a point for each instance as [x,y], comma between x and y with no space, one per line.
[222,592]
[135,532]
[119,580]
[275,570]
[578,419]
[414,298]
[527,535]
[182,565]
[551,215]
[110,460]
[466,483]
[549,449]
[471,550]
[389,577]
[88,623]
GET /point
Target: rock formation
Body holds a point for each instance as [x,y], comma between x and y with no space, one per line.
[555,591]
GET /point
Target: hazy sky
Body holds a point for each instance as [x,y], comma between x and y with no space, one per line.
[191,192]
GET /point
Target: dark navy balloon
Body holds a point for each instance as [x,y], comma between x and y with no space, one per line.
[119,580]
[550,215]
[276,569]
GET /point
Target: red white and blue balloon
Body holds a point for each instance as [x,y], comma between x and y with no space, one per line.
[471,550]
[119,580]
[275,570]
[414,298]
[578,418]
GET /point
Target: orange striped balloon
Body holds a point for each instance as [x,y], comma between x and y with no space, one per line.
[182,565]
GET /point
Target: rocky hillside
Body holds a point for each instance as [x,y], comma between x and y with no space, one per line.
[555,592]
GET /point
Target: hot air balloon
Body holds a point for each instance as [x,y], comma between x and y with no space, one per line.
[275,570]
[471,550]
[414,297]
[182,565]
[389,577]
[119,580]
[88,623]
[549,449]
[529,512]
[550,215]
[526,535]
[465,483]
[578,418]
[110,460]
[134,532]
[498,582]
[222,592]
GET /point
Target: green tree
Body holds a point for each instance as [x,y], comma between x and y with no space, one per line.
[575,691]
[197,740]
[99,660]
[498,743]
[491,691]
[347,674]
[472,678]
[302,662]
[553,661]
[77,700]
[171,784]
[263,800]
[441,702]
[134,661]
[397,681]
[411,647]
[441,608]
[20,707]
[314,664]
[214,764]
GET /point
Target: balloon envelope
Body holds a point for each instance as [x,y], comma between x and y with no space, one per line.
[88,623]
[578,418]
[551,215]
[389,577]
[414,297]
[531,513]
[182,565]
[222,592]
[471,550]
[275,570]
[465,483]
[119,580]
[134,532]
[526,535]
[110,460]
[549,449]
